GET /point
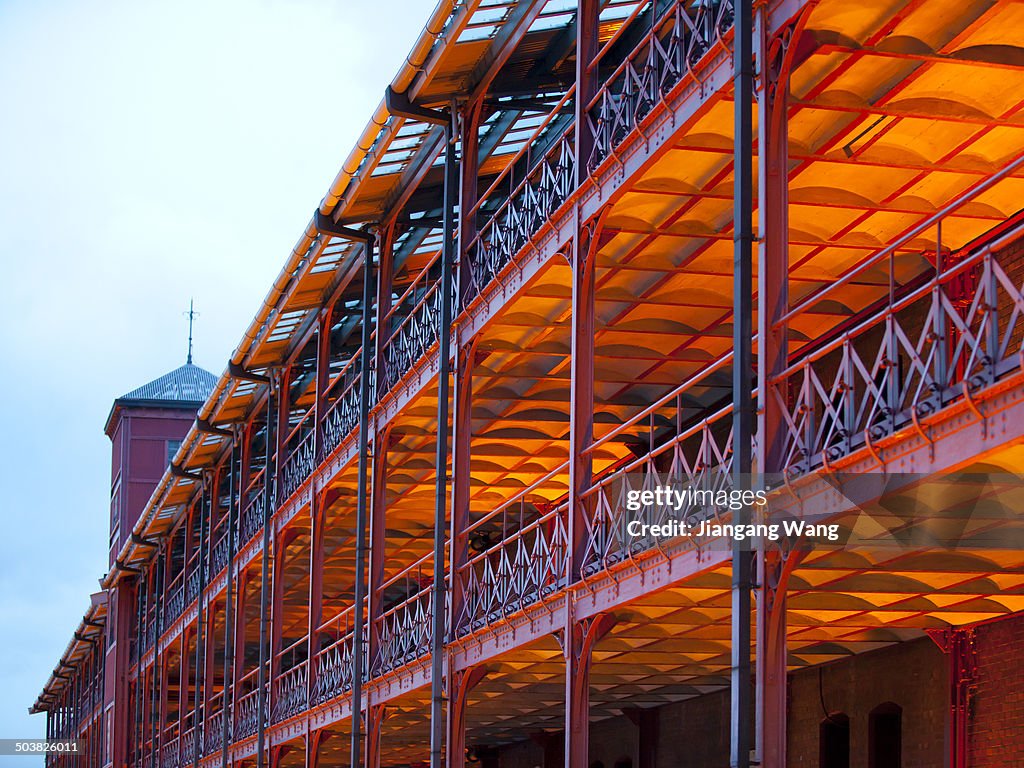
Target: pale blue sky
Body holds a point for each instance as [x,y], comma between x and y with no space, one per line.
[149,152]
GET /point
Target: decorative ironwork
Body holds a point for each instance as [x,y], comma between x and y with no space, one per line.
[290,691]
[415,334]
[253,516]
[667,53]
[192,584]
[219,556]
[247,714]
[333,671]
[404,631]
[529,562]
[188,747]
[298,466]
[213,733]
[147,636]
[343,415]
[938,343]
[698,458]
[174,606]
[548,184]
[169,754]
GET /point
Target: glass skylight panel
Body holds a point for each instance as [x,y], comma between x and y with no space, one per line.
[616,10]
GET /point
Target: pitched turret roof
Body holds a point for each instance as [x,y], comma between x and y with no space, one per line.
[187,384]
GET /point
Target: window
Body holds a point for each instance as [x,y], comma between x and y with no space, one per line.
[172,448]
[885,736]
[835,742]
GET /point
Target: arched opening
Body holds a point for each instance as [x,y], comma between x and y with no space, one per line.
[885,736]
[835,742]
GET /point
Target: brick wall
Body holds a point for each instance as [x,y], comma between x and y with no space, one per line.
[695,733]
[912,675]
[613,740]
[996,726]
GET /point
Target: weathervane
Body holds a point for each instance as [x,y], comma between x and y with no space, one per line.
[192,315]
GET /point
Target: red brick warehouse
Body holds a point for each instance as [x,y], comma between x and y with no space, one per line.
[584,251]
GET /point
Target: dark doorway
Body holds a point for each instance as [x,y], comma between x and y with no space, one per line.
[835,742]
[885,736]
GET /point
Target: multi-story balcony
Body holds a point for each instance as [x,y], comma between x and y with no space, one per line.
[592,355]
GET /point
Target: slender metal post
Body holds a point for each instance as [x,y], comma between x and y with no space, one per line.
[316,589]
[269,493]
[200,662]
[465,357]
[376,552]
[140,689]
[451,189]
[234,506]
[773,566]
[323,365]
[157,677]
[377,549]
[742,377]
[366,359]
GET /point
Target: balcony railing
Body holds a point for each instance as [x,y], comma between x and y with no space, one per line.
[213,732]
[187,751]
[219,556]
[521,558]
[247,721]
[403,632]
[414,320]
[290,693]
[169,754]
[952,335]
[192,583]
[656,65]
[342,415]
[333,664]
[301,458]
[532,203]
[253,516]
[174,606]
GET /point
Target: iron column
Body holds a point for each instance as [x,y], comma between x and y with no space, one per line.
[742,376]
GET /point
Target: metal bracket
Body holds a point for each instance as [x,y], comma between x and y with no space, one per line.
[399,105]
[236,371]
[207,428]
[125,568]
[177,471]
[328,226]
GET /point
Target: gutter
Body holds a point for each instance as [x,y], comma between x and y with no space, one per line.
[96,601]
[381,119]
[413,65]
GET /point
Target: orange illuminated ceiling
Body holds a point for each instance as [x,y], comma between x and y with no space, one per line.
[896,108]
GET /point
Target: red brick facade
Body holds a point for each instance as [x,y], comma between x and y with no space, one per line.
[996,726]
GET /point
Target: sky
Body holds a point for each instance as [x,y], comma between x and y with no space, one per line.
[150,152]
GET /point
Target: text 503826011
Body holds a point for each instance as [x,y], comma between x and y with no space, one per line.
[38,746]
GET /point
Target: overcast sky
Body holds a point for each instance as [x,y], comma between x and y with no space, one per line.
[149,152]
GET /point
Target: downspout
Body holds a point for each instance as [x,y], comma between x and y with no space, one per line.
[361,498]
[229,610]
[412,66]
[740,740]
[199,724]
[400,105]
[269,480]
[325,224]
